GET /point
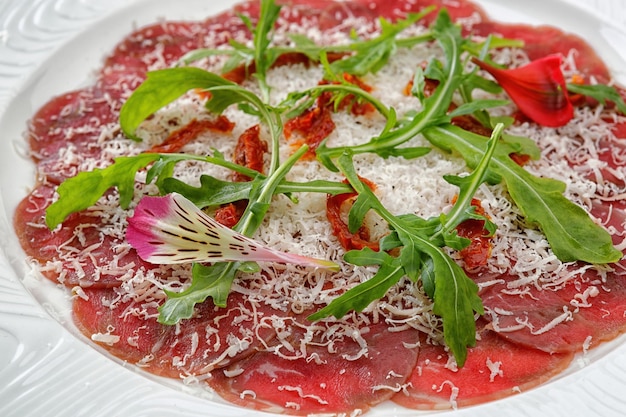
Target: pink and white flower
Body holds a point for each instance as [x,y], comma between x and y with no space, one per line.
[172,230]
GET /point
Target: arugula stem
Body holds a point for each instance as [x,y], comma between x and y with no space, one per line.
[315,186]
[251,219]
[456,214]
[434,110]
[354,90]
[386,141]
[212,160]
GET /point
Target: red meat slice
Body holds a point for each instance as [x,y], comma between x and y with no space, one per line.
[587,309]
[85,256]
[545,40]
[213,338]
[78,118]
[494,369]
[610,174]
[458,9]
[323,379]
[160,44]
[67,134]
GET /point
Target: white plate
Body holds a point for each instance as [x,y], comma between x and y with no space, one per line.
[47,369]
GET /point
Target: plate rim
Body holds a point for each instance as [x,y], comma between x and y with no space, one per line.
[30,312]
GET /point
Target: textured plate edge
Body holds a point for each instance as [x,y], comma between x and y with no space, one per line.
[560,386]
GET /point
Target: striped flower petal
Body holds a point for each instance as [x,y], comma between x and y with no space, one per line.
[171,229]
[538,89]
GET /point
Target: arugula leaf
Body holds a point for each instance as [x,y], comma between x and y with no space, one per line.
[163,167]
[476,105]
[572,234]
[85,189]
[461,302]
[291,108]
[435,107]
[360,296]
[454,294]
[214,192]
[371,55]
[520,145]
[481,48]
[213,281]
[368,55]
[164,86]
[211,192]
[601,93]
[468,185]
[264,56]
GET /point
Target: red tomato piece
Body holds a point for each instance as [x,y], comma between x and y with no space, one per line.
[348,240]
[180,137]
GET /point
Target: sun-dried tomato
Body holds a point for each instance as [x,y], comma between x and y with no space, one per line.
[229,214]
[180,137]
[348,240]
[314,125]
[481,242]
[249,152]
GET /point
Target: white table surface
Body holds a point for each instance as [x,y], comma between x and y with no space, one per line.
[21,29]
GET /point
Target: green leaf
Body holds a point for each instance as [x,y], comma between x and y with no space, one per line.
[371,55]
[601,93]
[307,46]
[85,189]
[362,295]
[240,55]
[198,54]
[454,295]
[477,105]
[408,152]
[357,213]
[211,192]
[208,281]
[572,234]
[366,256]
[264,56]
[475,81]
[456,301]
[468,185]
[520,145]
[435,107]
[480,49]
[164,86]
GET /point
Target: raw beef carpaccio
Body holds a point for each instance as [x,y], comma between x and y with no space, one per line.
[261,351]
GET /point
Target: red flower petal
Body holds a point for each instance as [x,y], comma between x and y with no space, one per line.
[538,89]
